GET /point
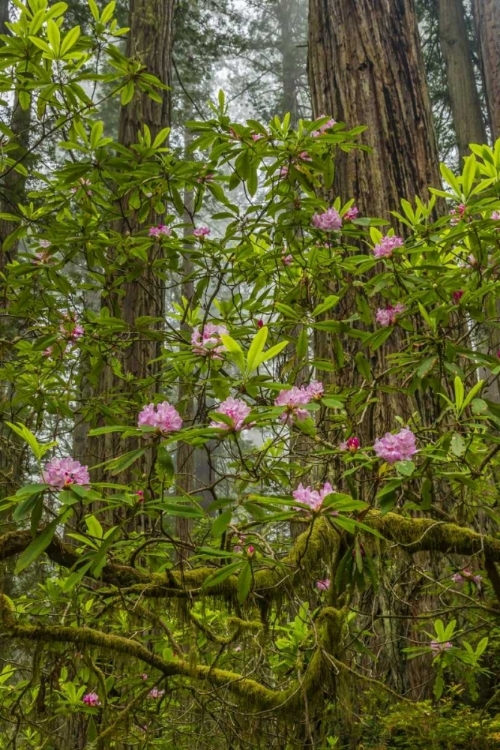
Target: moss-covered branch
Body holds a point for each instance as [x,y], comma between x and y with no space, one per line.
[251,693]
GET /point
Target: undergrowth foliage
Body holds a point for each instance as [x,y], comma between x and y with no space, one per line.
[114,626]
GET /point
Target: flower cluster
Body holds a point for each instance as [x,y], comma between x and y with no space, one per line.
[156,693]
[351,444]
[351,213]
[387,316]
[323,585]
[386,246]
[296,398]
[457,296]
[237,410]
[398,447]
[495,216]
[327,126]
[163,417]
[440,648]
[328,221]
[63,472]
[201,232]
[457,214]
[159,231]
[207,342]
[91,699]
[312,498]
[466,575]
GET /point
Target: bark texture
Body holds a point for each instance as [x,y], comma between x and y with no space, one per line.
[366,68]
[151,42]
[487,24]
[464,97]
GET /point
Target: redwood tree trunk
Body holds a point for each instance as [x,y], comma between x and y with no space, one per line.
[150,41]
[487,23]
[366,68]
[464,96]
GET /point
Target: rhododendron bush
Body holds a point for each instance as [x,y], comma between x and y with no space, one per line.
[209,540]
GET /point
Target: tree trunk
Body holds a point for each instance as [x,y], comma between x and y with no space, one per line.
[464,96]
[487,22]
[289,68]
[150,41]
[366,68]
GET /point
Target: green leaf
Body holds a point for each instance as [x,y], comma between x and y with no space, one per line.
[37,546]
[244,582]
[221,574]
[54,36]
[221,523]
[256,348]
[405,468]
[70,40]
[235,349]
[25,506]
[457,445]
[327,304]
[123,462]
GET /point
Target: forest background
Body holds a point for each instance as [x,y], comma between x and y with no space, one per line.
[249,360]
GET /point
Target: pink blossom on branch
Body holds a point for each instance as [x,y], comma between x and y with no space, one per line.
[384,248]
[287,260]
[351,213]
[495,215]
[352,444]
[296,398]
[237,410]
[208,342]
[466,575]
[163,417]
[327,126]
[323,585]
[201,232]
[398,447]
[440,648]
[160,230]
[91,699]
[387,316]
[328,221]
[63,472]
[312,498]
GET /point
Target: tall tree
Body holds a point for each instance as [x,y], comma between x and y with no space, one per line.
[487,23]
[142,294]
[463,93]
[365,67]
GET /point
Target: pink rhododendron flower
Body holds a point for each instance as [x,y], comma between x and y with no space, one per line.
[48,351]
[237,410]
[328,221]
[495,215]
[140,496]
[160,230]
[466,575]
[457,214]
[387,316]
[304,156]
[398,447]
[351,213]
[77,332]
[386,246]
[44,243]
[257,136]
[250,549]
[91,699]
[312,498]
[440,648]
[352,444]
[201,232]
[293,399]
[63,472]
[155,693]
[324,127]
[144,676]
[260,323]
[472,260]
[315,389]
[287,260]
[41,257]
[323,585]
[164,417]
[208,342]
[284,172]
[457,296]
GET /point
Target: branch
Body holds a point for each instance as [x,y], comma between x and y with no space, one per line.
[252,693]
